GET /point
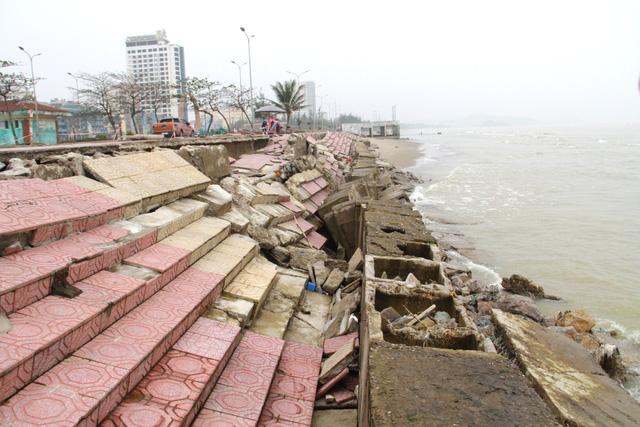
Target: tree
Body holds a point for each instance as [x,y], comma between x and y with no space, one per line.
[290,97]
[240,99]
[101,94]
[131,93]
[348,118]
[13,87]
[156,94]
[207,96]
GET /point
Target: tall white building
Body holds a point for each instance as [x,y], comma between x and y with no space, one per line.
[151,58]
[309,98]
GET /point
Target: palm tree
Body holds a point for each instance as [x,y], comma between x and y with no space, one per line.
[290,97]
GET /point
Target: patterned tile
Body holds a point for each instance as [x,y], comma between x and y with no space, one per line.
[214,329]
[268,420]
[41,405]
[194,282]
[148,333]
[49,232]
[64,312]
[262,343]
[331,345]
[22,189]
[298,388]
[90,203]
[160,316]
[116,282]
[109,231]
[299,368]
[16,377]
[184,366]
[137,414]
[202,346]
[158,257]
[25,295]
[302,351]
[253,359]
[209,418]
[235,401]
[288,409]
[31,333]
[119,352]
[85,377]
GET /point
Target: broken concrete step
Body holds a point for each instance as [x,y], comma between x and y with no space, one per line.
[566,375]
[240,310]
[28,276]
[239,222]
[293,391]
[218,200]
[276,312]
[172,217]
[253,287]
[157,177]
[229,257]
[239,395]
[199,237]
[190,368]
[122,355]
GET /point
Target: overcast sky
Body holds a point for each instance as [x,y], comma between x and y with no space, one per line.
[555,61]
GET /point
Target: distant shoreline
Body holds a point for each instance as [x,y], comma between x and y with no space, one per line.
[402,153]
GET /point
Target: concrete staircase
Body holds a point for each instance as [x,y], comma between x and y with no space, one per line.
[126,345]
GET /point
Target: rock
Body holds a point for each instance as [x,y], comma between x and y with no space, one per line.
[52,171]
[334,281]
[484,307]
[212,161]
[442,317]
[569,331]
[320,272]
[522,286]
[302,257]
[71,161]
[2,166]
[488,346]
[579,319]
[608,357]
[265,239]
[475,287]
[280,254]
[519,304]
[17,168]
[588,341]
[411,280]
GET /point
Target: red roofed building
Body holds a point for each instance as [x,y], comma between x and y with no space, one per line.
[20,123]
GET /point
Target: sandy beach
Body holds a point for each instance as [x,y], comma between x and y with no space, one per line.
[403,153]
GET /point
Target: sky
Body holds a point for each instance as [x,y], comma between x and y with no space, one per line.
[555,62]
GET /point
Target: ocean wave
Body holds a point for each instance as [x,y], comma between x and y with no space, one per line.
[479,272]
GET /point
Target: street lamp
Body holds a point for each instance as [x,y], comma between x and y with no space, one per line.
[298,74]
[239,71]
[33,81]
[77,87]
[250,71]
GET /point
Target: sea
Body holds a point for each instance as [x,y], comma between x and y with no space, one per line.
[560,206]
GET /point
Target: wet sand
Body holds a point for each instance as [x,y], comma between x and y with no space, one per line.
[402,153]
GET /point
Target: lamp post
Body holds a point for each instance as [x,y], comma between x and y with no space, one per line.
[239,71]
[298,74]
[77,88]
[33,81]
[249,37]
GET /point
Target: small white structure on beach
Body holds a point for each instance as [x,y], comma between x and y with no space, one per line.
[374,129]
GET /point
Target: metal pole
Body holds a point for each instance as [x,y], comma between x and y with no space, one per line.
[33,81]
[250,70]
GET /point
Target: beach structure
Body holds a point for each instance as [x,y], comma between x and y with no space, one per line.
[388,129]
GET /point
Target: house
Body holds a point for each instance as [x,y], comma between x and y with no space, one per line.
[30,127]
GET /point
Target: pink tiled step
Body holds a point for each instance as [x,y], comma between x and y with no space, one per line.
[48,330]
[27,275]
[242,389]
[87,386]
[292,394]
[175,389]
[52,209]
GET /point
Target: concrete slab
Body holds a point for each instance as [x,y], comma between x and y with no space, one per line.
[308,322]
[566,375]
[335,418]
[435,387]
